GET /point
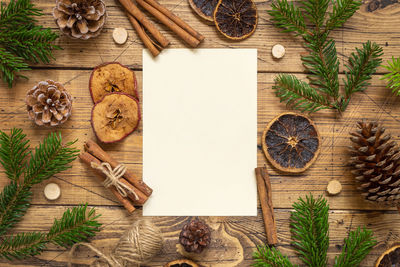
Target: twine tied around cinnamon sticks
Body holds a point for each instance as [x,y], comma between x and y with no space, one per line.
[113,176]
[135,192]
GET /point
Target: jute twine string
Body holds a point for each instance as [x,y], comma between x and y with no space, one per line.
[113,176]
[138,245]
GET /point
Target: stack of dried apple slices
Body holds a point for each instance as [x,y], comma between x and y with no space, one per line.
[116,112]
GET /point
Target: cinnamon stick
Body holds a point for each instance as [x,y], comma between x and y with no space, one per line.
[98,152]
[87,158]
[143,36]
[189,39]
[175,19]
[132,9]
[265,195]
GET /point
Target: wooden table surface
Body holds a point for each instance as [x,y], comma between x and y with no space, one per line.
[234,238]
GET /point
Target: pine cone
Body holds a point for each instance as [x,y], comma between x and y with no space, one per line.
[49,103]
[376,163]
[81,19]
[195,236]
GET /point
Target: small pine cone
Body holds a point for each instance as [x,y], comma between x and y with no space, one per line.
[195,236]
[376,164]
[49,103]
[80,19]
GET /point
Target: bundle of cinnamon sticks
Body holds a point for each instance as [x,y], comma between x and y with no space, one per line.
[165,16]
[96,155]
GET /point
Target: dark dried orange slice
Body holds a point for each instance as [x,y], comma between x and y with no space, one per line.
[291,142]
[182,263]
[390,257]
[204,8]
[236,19]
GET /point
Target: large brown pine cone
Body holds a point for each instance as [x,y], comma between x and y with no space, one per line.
[195,236]
[49,103]
[376,163]
[81,19]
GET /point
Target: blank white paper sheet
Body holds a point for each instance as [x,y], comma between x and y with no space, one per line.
[200,132]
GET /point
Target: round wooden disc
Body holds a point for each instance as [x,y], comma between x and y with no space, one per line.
[52,191]
[120,35]
[334,187]
[278,51]
[273,161]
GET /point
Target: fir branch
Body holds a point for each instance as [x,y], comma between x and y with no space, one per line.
[360,68]
[266,256]
[315,11]
[323,65]
[393,77]
[21,39]
[76,225]
[309,228]
[13,153]
[298,94]
[287,16]
[10,65]
[356,248]
[342,10]
[49,158]
[322,62]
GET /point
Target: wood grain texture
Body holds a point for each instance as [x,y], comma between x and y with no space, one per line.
[234,238]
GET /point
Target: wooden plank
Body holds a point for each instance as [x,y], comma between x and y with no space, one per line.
[233,238]
[380,26]
[79,184]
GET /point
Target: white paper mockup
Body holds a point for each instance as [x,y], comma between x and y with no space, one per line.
[200,132]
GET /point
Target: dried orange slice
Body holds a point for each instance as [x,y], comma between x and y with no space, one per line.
[291,142]
[204,8]
[182,263]
[236,19]
[390,257]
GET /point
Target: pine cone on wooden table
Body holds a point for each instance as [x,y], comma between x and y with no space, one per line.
[81,19]
[195,236]
[376,163]
[49,104]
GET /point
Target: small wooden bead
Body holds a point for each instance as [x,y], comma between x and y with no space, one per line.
[52,191]
[120,35]
[334,187]
[278,51]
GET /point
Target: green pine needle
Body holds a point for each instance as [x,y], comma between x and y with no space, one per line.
[22,40]
[298,94]
[76,225]
[393,77]
[266,256]
[310,232]
[322,63]
[50,157]
[356,248]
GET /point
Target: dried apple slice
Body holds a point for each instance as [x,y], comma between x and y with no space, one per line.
[115,117]
[112,77]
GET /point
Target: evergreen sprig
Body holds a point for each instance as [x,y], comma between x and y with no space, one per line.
[310,227]
[76,225]
[393,77]
[26,168]
[312,21]
[22,40]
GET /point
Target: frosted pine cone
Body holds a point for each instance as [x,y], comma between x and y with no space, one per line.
[376,163]
[81,19]
[49,104]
